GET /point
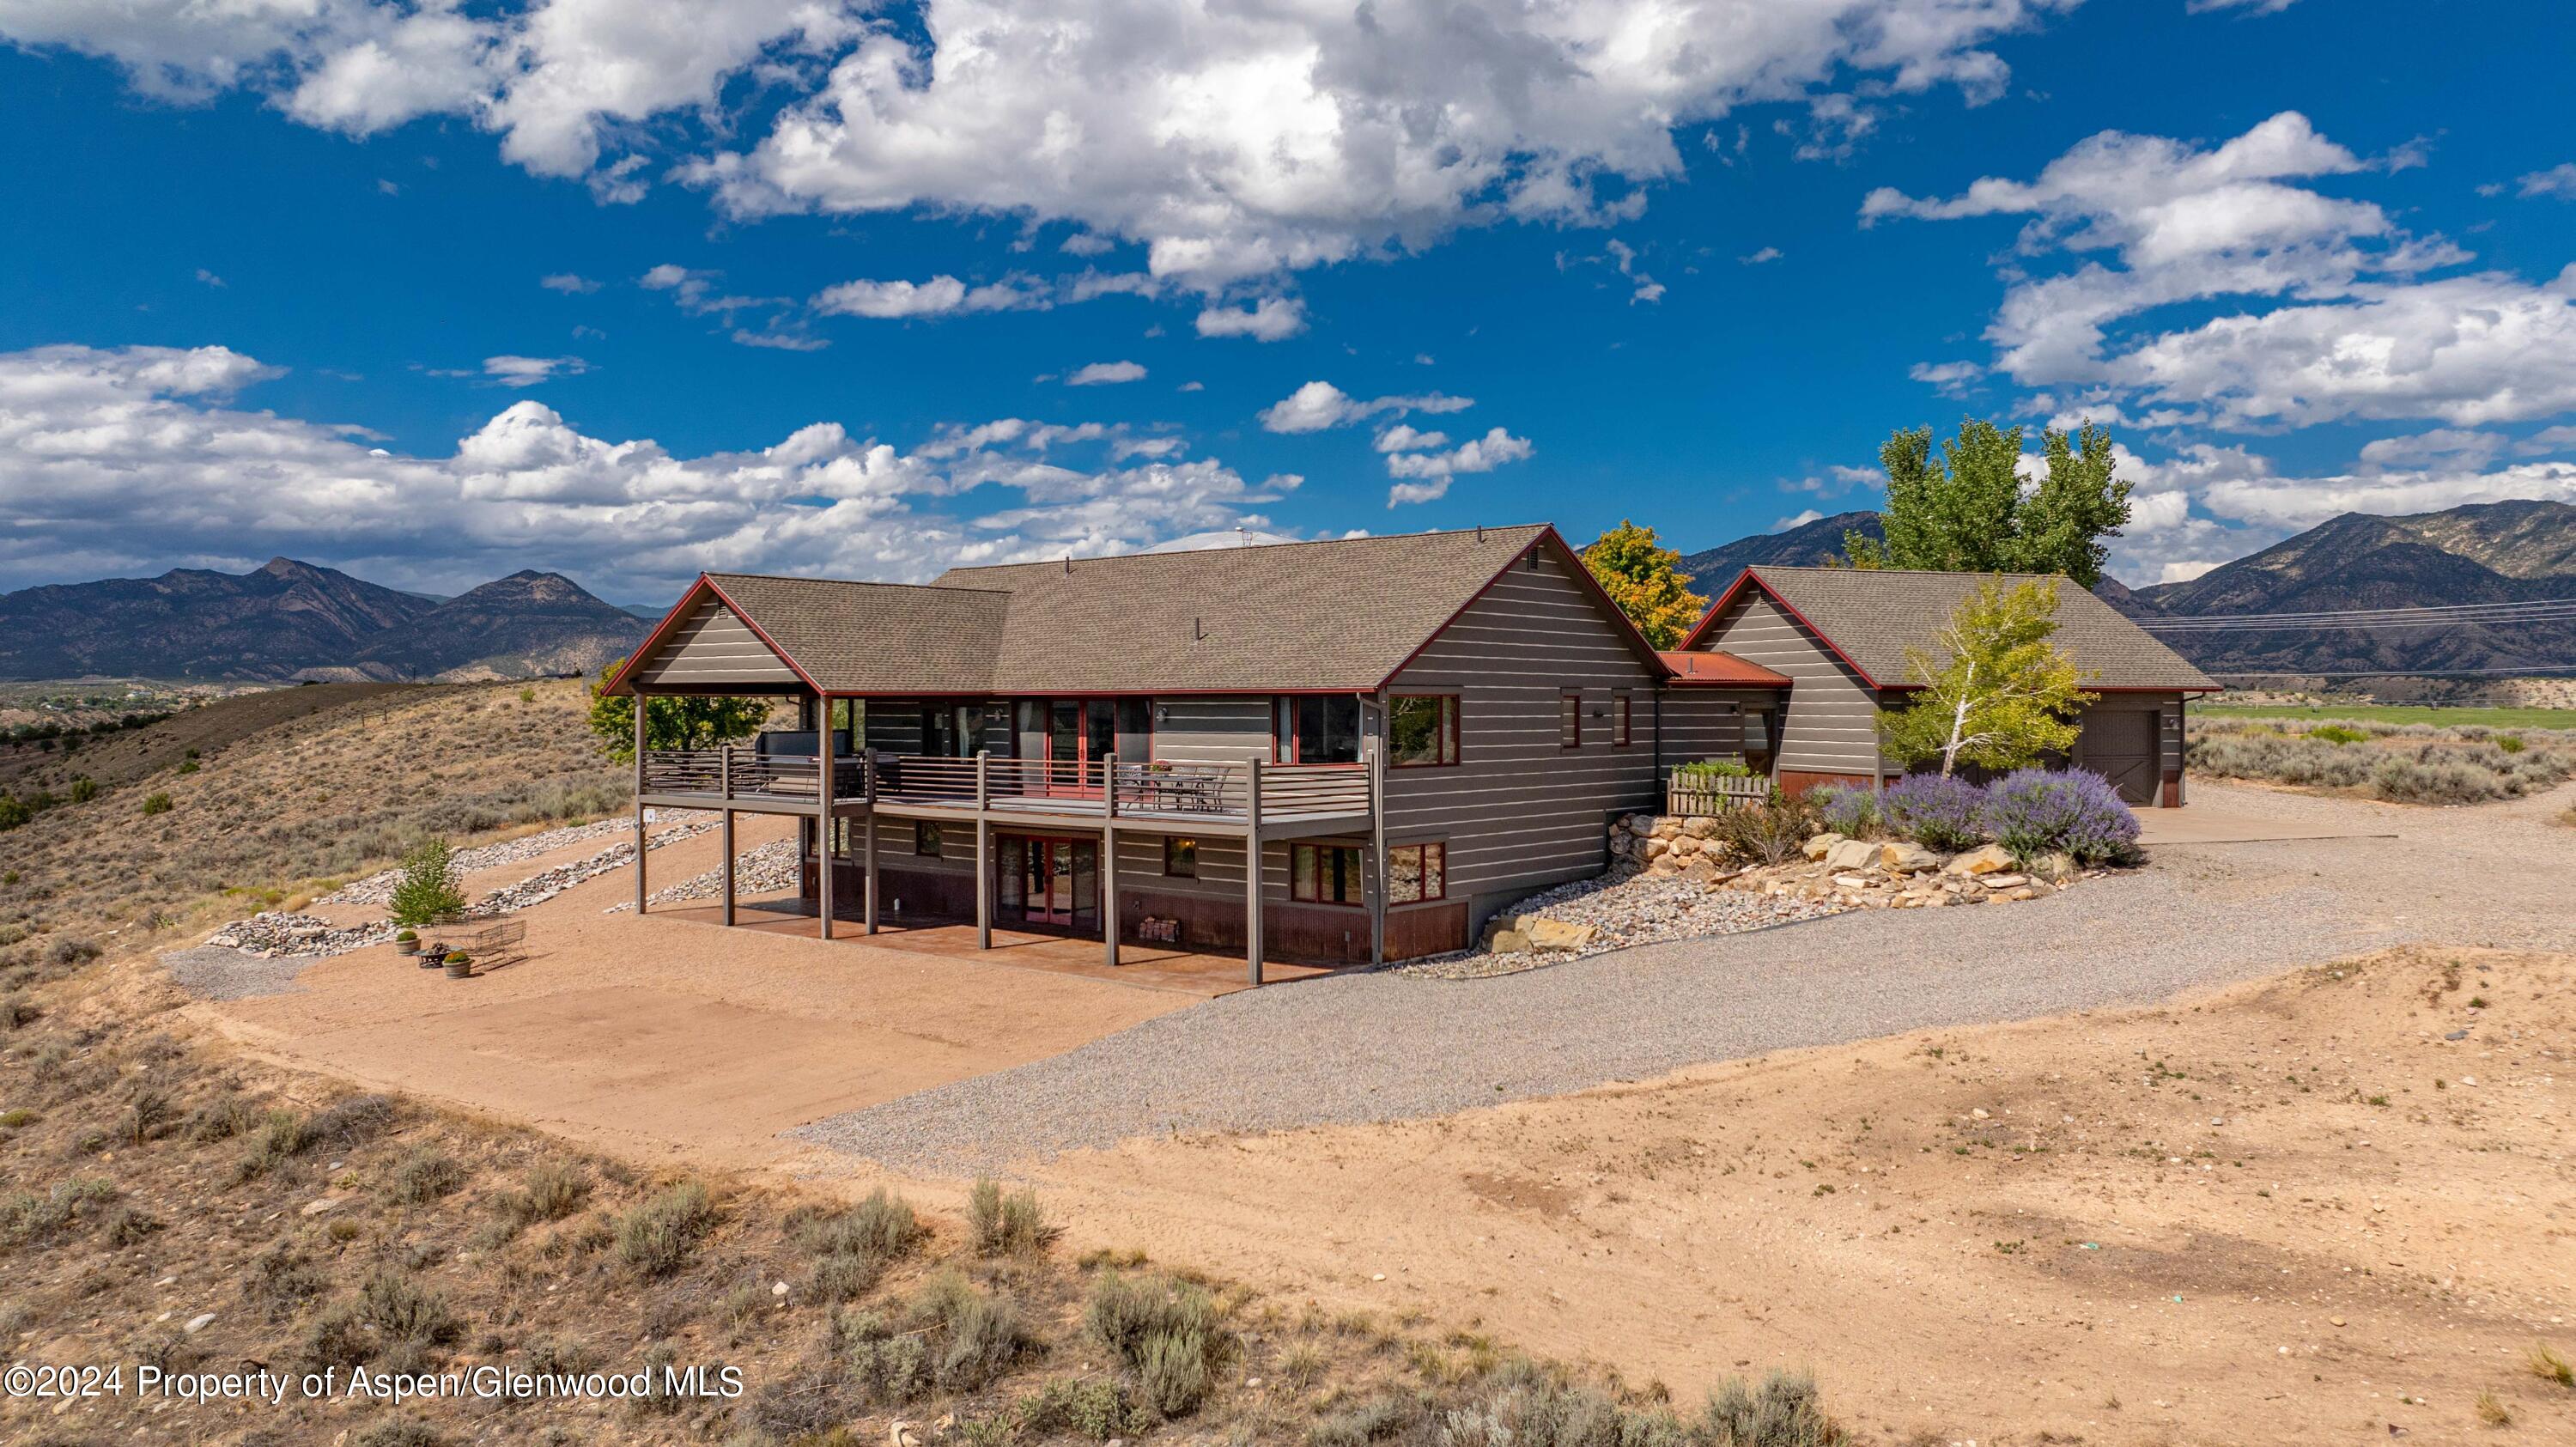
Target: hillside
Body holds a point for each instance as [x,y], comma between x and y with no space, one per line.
[1800,547]
[287,620]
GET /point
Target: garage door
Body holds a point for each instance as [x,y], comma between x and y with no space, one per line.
[2121,746]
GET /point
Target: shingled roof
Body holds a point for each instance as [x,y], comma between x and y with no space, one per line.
[1871,616]
[1338,615]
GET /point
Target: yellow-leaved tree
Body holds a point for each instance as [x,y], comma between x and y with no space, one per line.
[1642,578]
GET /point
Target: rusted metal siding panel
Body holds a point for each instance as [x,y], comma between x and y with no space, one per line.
[1830,725]
[710,649]
[1520,812]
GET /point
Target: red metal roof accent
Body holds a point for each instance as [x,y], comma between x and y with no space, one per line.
[1715,668]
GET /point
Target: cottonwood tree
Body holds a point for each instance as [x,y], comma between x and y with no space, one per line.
[687,721]
[1641,577]
[1970,511]
[1994,692]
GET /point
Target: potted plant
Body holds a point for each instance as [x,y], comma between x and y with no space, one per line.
[460,965]
[406,941]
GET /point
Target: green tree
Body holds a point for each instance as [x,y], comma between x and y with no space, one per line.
[1641,577]
[429,891]
[1997,694]
[1968,511]
[673,722]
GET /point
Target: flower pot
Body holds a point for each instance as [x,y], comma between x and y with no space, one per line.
[406,947]
[461,971]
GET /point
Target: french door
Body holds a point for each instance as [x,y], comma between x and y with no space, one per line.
[1076,734]
[1049,881]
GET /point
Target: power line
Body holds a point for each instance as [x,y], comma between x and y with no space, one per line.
[2535,610]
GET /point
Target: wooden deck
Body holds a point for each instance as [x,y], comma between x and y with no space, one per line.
[1159,967]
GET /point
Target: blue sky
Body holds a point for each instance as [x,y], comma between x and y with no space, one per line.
[826,281]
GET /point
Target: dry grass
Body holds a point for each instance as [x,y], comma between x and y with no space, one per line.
[2412,763]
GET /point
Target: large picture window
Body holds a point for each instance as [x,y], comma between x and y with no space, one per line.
[1318,728]
[1325,874]
[1422,729]
[1416,872]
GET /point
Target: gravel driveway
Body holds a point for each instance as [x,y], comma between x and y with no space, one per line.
[1383,1046]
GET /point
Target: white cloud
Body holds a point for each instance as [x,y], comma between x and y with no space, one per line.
[1403,438]
[133,459]
[2558,181]
[1099,374]
[569,283]
[887,299]
[1232,141]
[1758,258]
[1271,319]
[209,278]
[2250,7]
[1951,379]
[1319,405]
[1796,520]
[2335,315]
[2461,447]
[511,371]
[1433,470]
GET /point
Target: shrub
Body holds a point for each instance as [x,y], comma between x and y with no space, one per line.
[85,788]
[1784,1412]
[156,804]
[658,1237]
[1165,1331]
[13,813]
[1093,1408]
[552,1192]
[428,891]
[1846,809]
[338,1337]
[1713,769]
[2440,781]
[424,1176]
[857,1245]
[404,1312]
[1768,832]
[1522,1406]
[1938,812]
[2032,812]
[1002,1225]
[2337,733]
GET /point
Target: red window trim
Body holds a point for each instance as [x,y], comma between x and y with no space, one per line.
[1395,849]
[1295,897]
[1623,721]
[1569,726]
[1455,705]
[1279,755]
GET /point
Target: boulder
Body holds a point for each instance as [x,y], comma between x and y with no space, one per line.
[1816,847]
[1657,848]
[1666,827]
[2054,868]
[1699,826]
[1507,942]
[1905,857]
[1984,859]
[1851,854]
[1702,870]
[1555,934]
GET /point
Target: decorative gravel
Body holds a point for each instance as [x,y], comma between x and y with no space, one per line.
[766,870]
[1643,910]
[684,823]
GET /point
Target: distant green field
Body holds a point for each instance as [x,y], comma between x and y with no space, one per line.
[2502,718]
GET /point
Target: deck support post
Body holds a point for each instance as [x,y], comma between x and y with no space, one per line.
[724,791]
[823,816]
[1252,871]
[639,800]
[1109,858]
[1375,745]
[983,850]
[869,906]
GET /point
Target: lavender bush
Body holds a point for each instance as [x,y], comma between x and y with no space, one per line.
[1936,812]
[1846,809]
[2032,812]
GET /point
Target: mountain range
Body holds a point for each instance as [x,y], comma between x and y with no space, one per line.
[2497,552]
[289,620]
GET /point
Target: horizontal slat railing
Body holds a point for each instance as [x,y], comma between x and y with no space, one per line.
[1085,787]
[1314,789]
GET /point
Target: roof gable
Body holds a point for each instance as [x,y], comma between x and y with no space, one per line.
[1871,618]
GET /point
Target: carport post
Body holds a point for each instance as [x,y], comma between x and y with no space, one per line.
[823,814]
[869,908]
[983,850]
[639,801]
[724,781]
[1109,858]
[1252,871]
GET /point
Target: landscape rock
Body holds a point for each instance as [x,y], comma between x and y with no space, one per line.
[2055,868]
[1907,857]
[1555,934]
[1699,826]
[1852,854]
[1984,859]
[1820,845]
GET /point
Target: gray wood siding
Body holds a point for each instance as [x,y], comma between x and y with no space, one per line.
[1212,730]
[894,727]
[1831,723]
[709,649]
[2167,709]
[1519,812]
[1707,723]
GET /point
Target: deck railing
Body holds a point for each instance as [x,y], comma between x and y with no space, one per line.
[1089,787]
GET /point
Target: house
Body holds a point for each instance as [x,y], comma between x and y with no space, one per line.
[1320,752]
[1841,638]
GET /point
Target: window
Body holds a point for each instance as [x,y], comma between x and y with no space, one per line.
[925,837]
[1416,872]
[1325,873]
[1180,857]
[1619,721]
[1569,721]
[1422,729]
[1318,729]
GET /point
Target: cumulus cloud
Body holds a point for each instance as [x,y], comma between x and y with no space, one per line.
[943,295]
[1270,319]
[1403,438]
[1320,405]
[1101,374]
[1951,379]
[2337,314]
[131,459]
[512,371]
[1232,142]
[2558,182]
[1432,471]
